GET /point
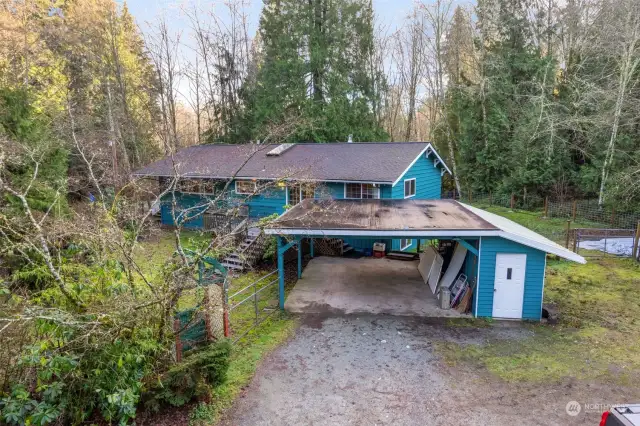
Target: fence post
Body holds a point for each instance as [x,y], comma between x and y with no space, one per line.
[176,329]
[574,209]
[513,200]
[470,196]
[636,241]
[207,314]
[490,198]
[613,215]
[546,206]
[568,232]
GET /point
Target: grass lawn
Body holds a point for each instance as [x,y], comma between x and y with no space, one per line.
[152,254]
[598,336]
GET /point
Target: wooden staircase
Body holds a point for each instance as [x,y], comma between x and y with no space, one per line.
[248,252]
[346,247]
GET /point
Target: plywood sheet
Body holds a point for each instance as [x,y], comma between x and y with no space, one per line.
[434,275]
[426,262]
[454,267]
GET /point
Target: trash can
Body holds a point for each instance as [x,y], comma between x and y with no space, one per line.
[445,298]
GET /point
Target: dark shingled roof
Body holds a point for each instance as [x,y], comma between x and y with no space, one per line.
[382,162]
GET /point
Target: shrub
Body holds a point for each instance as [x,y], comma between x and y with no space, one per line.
[193,377]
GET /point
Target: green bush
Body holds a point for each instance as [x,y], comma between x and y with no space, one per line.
[200,370]
[71,380]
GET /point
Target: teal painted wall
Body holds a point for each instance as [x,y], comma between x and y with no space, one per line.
[266,203]
[533,282]
[428,180]
[183,201]
[270,201]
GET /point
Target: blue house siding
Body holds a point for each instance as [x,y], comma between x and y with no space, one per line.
[428,180]
[266,203]
[534,276]
[183,201]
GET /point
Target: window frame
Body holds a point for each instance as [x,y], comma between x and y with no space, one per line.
[409,243]
[200,183]
[414,187]
[301,189]
[374,186]
[255,186]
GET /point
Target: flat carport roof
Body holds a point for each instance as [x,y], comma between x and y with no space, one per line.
[378,216]
[407,218]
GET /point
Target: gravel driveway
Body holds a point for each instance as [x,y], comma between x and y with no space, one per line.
[384,370]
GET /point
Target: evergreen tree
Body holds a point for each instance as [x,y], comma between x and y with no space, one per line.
[314,69]
[502,120]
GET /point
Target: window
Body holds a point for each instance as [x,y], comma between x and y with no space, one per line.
[245,187]
[196,186]
[509,273]
[409,188]
[405,244]
[298,193]
[361,190]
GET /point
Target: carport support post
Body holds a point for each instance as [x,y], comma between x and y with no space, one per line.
[311,244]
[280,243]
[299,241]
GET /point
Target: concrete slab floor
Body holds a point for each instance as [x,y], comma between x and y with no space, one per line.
[368,285]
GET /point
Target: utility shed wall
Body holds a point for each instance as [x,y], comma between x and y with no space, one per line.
[534,276]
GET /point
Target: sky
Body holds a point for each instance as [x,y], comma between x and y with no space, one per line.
[390,13]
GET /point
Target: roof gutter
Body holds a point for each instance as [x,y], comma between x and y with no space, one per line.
[187,176]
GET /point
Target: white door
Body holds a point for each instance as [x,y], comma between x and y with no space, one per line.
[508,288]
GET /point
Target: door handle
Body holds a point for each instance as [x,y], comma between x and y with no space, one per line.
[495,289]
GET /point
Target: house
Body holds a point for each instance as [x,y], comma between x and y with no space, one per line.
[362,193]
[292,172]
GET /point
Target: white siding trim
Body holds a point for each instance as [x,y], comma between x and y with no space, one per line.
[415,187]
[425,235]
[244,180]
[475,305]
[431,149]
[544,281]
[190,176]
[377,188]
[522,235]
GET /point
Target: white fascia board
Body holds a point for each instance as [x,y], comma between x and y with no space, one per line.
[431,149]
[440,158]
[451,233]
[189,176]
[523,235]
[547,248]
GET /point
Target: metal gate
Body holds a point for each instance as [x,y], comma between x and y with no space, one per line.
[249,306]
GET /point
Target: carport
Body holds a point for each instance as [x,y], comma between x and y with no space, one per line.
[505,260]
